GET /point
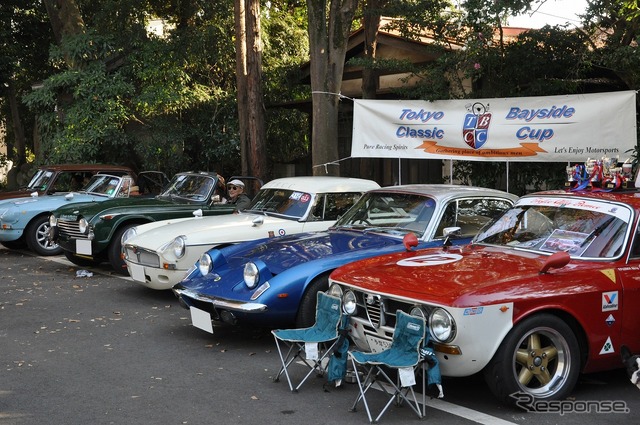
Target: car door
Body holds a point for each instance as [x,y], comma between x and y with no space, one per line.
[626,308]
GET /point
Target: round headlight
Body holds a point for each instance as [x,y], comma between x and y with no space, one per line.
[53,221]
[251,275]
[349,302]
[128,234]
[442,325]
[178,245]
[83,225]
[205,265]
[335,290]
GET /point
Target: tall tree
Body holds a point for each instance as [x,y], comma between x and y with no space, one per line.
[329,28]
[249,85]
[25,36]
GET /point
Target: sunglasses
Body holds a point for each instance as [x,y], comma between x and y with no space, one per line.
[232,187]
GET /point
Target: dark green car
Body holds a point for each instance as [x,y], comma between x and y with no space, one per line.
[90,233]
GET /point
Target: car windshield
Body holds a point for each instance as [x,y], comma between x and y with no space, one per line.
[103,184]
[291,204]
[395,213]
[40,180]
[194,187]
[582,227]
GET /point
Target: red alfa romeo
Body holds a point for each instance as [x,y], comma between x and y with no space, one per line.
[547,291]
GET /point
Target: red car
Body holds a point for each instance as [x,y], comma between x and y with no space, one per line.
[547,291]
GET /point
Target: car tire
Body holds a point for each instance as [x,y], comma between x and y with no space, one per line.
[307,310]
[37,237]
[80,261]
[546,346]
[114,251]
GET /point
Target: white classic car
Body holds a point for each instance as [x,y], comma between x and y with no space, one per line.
[159,254]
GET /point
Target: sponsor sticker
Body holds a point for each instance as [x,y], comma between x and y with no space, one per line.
[610,320]
[607,348]
[473,311]
[610,301]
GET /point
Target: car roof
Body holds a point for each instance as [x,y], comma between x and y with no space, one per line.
[630,196]
[85,167]
[322,184]
[443,192]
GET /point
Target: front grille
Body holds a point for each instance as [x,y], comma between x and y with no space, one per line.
[70,229]
[379,311]
[142,256]
[374,310]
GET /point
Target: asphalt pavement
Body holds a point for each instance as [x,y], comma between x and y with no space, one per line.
[102,349]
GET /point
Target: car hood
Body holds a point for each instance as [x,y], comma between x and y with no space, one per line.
[49,201]
[280,254]
[460,276]
[116,205]
[210,230]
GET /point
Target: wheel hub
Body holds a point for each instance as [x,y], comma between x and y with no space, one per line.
[537,361]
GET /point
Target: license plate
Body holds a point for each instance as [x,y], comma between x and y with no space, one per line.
[201,319]
[137,272]
[377,344]
[83,247]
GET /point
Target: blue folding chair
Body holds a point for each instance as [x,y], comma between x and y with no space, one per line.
[312,345]
[404,355]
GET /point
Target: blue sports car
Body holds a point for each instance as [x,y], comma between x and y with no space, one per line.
[25,221]
[274,281]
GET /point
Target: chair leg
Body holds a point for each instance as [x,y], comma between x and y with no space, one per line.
[298,348]
[361,389]
[286,361]
[396,393]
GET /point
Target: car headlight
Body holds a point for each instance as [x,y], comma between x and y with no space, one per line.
[418,312]
[349,304]
[83,225]
[205,264]
[53,221]
[251,275]
[128,234]
[442,325]
[178,246]
[335,290]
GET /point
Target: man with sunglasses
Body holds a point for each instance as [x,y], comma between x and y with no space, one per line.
[235,188]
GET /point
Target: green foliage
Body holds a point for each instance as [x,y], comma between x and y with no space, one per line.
[119,94]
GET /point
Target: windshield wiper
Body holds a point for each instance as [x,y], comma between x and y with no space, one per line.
[596,232]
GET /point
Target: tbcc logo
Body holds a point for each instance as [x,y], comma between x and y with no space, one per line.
[475,130]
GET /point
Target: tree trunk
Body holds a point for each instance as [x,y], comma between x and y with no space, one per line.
[328,40]
[370,82]
[250,94]
[18,156]
[65,18]
[257,139]
[241,82]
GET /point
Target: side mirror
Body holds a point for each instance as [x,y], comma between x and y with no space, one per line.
[410,240]
[451,231]
[556,260]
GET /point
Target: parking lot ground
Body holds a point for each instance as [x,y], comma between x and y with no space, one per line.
[104,350]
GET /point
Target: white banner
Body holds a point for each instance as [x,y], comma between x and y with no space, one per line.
[553,128]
